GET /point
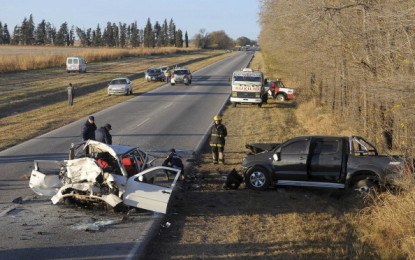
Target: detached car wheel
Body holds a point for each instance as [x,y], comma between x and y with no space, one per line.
[257,178]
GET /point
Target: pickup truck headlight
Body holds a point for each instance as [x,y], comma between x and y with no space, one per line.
[257,95]
[234,94]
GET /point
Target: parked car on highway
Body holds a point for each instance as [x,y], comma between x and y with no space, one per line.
[115,175]
[120,86]
[75,64]
[321,161]
[181,75]
[154,74]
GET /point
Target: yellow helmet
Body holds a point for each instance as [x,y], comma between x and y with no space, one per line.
[217,118]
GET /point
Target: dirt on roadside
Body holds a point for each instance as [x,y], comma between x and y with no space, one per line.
[209,222]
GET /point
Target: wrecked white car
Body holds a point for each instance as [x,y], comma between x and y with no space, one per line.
[97,172]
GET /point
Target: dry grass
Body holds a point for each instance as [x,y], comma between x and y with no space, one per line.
[388,224]
[40,104]
[24,58]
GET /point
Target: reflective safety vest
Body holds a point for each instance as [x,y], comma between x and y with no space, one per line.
[217,135]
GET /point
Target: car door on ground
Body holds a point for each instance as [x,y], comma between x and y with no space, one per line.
[154,197]
[292,160]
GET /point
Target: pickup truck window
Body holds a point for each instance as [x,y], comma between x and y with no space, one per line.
[299,147]
[326,147]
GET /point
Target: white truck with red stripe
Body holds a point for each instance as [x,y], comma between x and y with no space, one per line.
[277,90]
[248,87]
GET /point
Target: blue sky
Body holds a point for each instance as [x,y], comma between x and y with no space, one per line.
[236,17]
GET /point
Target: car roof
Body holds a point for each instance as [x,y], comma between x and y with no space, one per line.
[119,78]
[181,68]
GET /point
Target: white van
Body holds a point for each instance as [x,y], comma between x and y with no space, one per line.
[75,64]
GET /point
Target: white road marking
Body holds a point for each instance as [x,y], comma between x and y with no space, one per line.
[143,122]
[167,106]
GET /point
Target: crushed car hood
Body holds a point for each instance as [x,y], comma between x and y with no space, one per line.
[261,147]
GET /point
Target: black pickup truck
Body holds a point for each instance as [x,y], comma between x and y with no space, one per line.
[320,161]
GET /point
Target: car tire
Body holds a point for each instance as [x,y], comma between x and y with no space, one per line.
[172,84]
[257,178]
[364,184]
[259,105]
[280,97]
[234,104]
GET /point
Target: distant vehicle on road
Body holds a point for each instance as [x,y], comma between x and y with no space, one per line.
[120,86]
[154,74]
[181,75]
[75,64]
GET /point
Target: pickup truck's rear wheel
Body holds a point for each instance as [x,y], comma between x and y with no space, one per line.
[364,184]
[280,97]
[257,178]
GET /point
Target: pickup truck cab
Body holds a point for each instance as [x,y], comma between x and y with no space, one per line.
[320,161]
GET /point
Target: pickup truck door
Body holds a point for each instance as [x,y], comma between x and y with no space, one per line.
[327,157]
[292,160]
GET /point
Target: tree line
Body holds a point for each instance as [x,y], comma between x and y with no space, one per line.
[356,58]
[120,35]
[112,35]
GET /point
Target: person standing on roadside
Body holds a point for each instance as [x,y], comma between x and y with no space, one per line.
[103,135]
[218,133]
[88,129]
[71,94]
[167,74]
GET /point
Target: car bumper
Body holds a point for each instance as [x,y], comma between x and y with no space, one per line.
[117,91]
[154,78]
[246,100]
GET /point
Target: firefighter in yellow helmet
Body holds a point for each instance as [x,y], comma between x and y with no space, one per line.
[218,133]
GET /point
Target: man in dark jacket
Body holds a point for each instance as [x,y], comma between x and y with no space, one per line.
[173,160]
[88,129]
[103,134]
[218,133]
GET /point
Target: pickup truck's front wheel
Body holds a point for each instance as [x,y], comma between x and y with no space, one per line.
[257,178]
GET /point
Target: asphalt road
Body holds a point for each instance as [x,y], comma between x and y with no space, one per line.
[168,117]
